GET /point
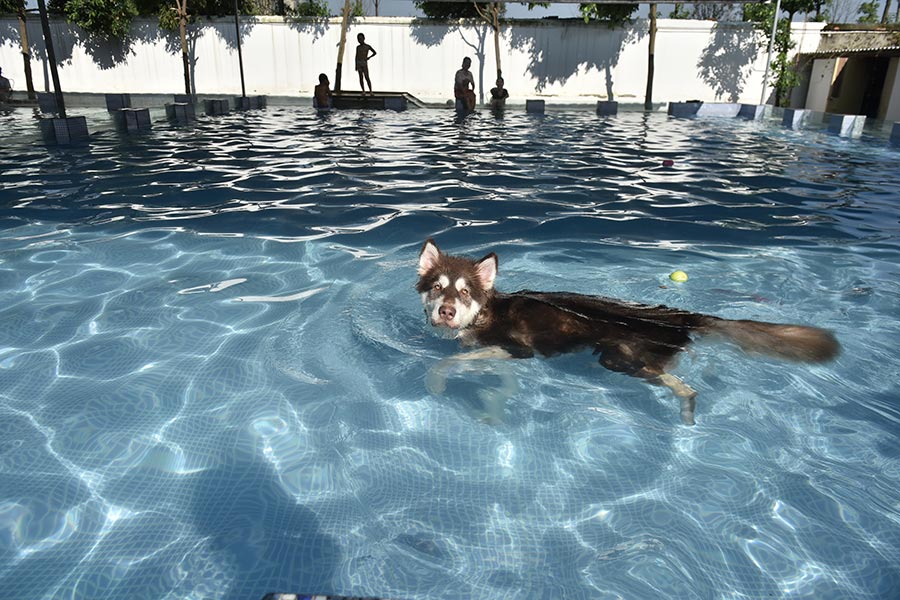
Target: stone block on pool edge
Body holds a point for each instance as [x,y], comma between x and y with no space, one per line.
[752,112]
[684,109]
[846,125]
[607,108]
[534,106]
[58,130]
[795,118]
[115,102]
[216,107]
[133,119]
[181,112]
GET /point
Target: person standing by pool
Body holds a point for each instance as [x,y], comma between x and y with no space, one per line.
[499,95]
[363,55]
[322,95]
[464,85]
[5,87]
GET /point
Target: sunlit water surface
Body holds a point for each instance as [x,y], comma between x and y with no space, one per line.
[212,361]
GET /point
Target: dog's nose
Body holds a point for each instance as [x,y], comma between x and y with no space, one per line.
[447,312]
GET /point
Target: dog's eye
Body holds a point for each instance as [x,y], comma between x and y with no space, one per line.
[464,293]
[436,287]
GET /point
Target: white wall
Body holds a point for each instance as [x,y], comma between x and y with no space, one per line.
[823,73]
[566,61]
[890,96]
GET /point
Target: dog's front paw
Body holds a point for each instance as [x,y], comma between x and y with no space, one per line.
[688,405]
[436,380]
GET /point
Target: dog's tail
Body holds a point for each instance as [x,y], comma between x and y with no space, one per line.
[789,342]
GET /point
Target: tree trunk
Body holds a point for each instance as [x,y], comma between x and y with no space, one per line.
[648,97]
[340,60]
[181,11]
[51,59]
[26,53]
[887,11]
[491,16]
[495,10]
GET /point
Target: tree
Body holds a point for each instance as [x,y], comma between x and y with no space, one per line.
[784,75]
[712,11]
[614,15]
[679,12]
[886,15]
[447,10]
[312,8]
[868,12]
[106,18]
[491,15]
[18,7]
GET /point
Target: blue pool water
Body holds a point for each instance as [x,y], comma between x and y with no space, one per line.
[212,361]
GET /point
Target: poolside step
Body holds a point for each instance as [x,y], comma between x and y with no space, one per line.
[398,101]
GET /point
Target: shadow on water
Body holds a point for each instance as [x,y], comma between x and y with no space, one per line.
[269,541]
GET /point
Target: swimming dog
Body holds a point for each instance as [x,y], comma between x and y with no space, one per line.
[635,339]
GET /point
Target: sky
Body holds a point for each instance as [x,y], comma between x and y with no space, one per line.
[405,8]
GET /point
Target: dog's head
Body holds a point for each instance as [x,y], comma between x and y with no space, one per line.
[454,289]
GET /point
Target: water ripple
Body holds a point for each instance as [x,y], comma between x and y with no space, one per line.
[213,361]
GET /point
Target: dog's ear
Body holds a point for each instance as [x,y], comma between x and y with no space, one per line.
[429,256]
[486,269]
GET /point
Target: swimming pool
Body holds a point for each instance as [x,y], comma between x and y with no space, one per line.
[212,364]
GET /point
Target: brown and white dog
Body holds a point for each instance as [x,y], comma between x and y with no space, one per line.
[639,340]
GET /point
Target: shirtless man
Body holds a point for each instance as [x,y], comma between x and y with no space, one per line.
[363,55]
[464,85]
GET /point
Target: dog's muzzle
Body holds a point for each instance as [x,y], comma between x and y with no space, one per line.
[444,316]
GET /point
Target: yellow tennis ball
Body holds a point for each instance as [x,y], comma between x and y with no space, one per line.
[679,276]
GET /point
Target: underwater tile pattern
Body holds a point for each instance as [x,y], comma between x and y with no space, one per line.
[213,361]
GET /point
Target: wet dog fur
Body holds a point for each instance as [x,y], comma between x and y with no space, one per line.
[642,341]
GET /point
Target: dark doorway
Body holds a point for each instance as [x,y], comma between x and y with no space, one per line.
[876,72]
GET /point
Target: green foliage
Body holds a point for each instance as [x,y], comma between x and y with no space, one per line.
[614,15]
[105,18]
[312,8]
[168,18]
[680,12]
[793,7]
[784,76]
[447,10]
[868,12]
[9,7]
[357,9]
[459,10]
